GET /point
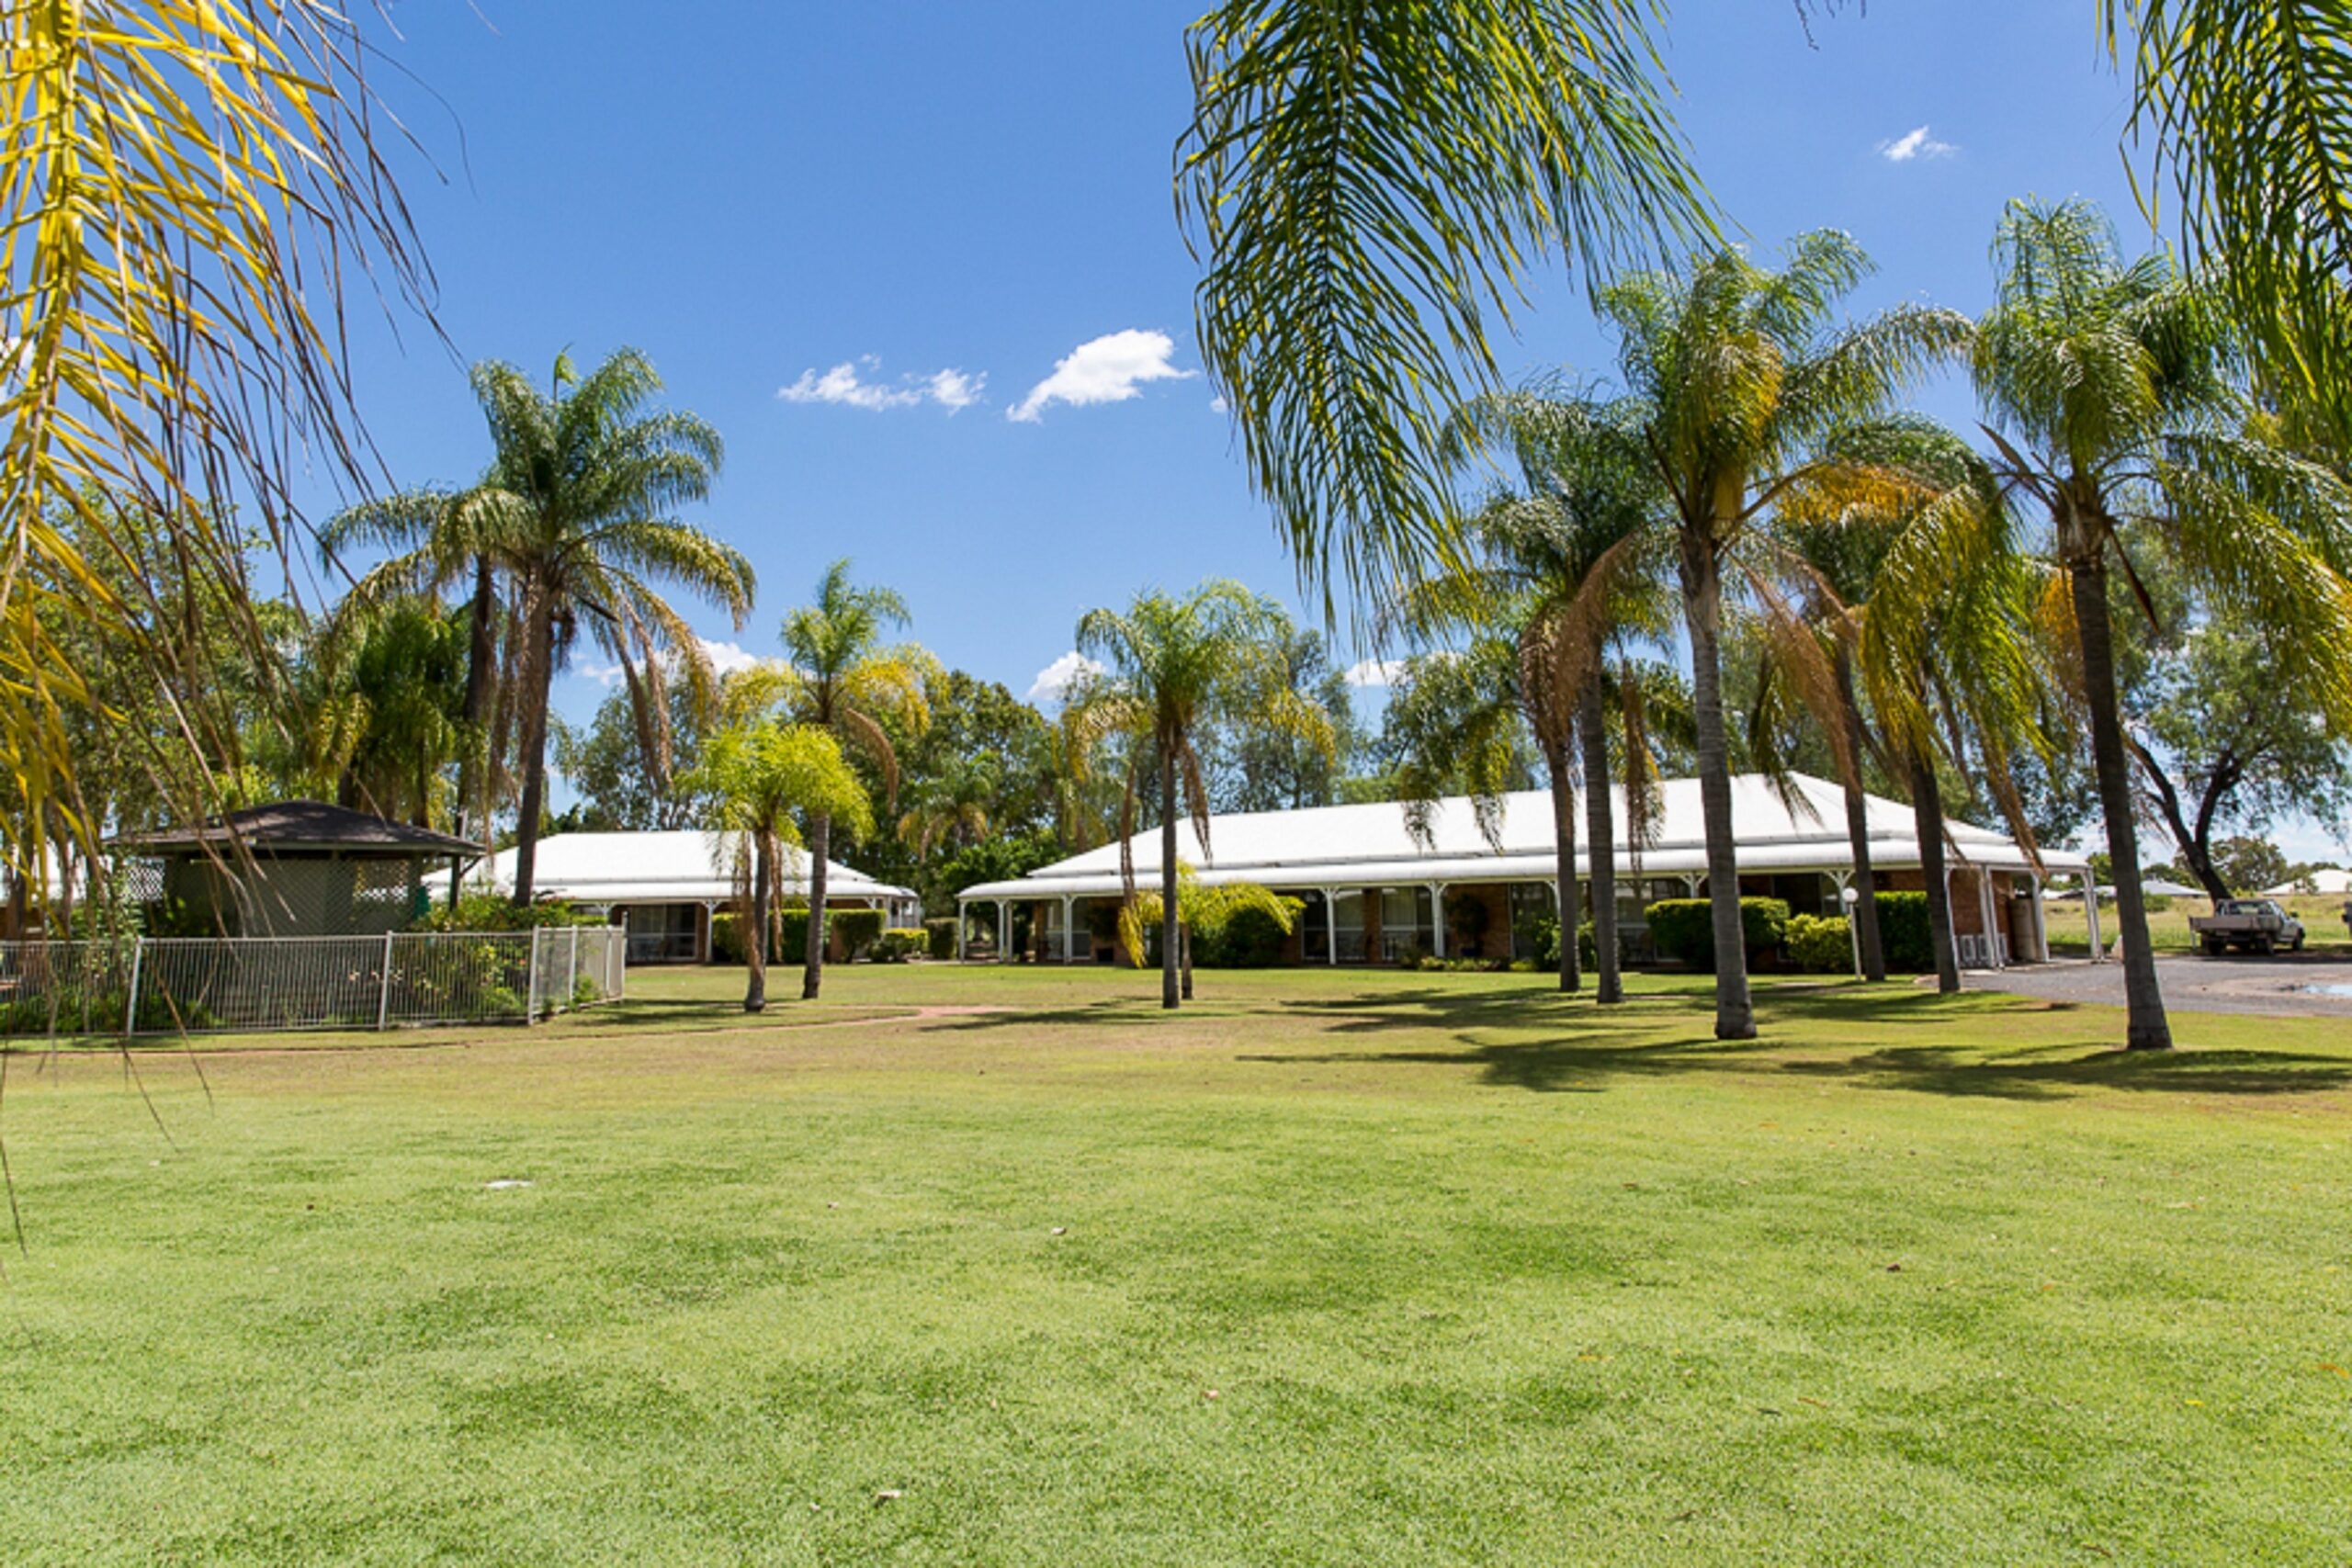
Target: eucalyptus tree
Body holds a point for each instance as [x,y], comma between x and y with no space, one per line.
[763,779]
[575,513]
[1559,572]
[1171,665]
[2112,406]
[1750,389]
[839,675]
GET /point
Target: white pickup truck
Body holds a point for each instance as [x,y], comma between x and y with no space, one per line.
[2248,925]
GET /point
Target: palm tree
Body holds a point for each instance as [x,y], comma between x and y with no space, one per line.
[2109,401]
[186,189]
[385,708]
[1748,390]
[951,806]
[1170,665]
[574,511]
[1199,907]
[1371,186]
[761,777]
[1570,569]
[838,675]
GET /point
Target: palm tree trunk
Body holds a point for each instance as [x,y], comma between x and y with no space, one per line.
[1184,940]
[1601,836]
[1858,826]
[2145,1028]
[821,844]
[1702,615]
[1564,849]
[1171,987]
[537,676]
[1927,822]
[481,657]
[755,934]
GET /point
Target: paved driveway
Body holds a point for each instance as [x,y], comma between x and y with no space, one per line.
[2286,986]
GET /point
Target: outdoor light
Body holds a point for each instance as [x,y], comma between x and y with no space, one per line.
[1851,896]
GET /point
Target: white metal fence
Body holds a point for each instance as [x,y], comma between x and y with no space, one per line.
[172,985]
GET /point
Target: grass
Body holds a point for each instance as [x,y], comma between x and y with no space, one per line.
[1359,1268]
[2323,919]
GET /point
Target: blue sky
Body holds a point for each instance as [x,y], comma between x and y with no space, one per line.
[756,194]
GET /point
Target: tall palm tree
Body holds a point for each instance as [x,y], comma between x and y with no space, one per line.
[1171,664]
[2110,399]
[761,778]
[1748,390]
[839,675]
[575,512]
[1565,569]
[1372,184]
[385,708]
[952,806]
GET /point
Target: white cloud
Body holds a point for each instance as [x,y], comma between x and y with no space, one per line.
[1915,143]
[602,674]
[1109,369]
[1218,405]
[1054,681]
[1375,671]
[845,384]
[727,658]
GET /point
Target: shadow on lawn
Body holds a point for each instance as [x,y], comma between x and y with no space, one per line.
[1585,1048]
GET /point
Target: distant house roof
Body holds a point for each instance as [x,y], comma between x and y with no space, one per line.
[2328,879]
[1351,846]
[305,827]
[674,867]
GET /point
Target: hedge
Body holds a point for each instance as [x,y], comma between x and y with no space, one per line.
[1903,932]
[901,944]
[1820,944]
[855,930]
[941,930]
[1250,940]
[1684,928]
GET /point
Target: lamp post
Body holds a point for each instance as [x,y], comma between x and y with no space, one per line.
[1850,896]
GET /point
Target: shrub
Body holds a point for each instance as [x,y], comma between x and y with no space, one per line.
[1588,950]
[856,930]
[727,938]
[495,912]
[1683,929]
[792,933]
[1820,944]
[899,944]
[1903,932]
[1540,934]
[1250,940]
[941,933]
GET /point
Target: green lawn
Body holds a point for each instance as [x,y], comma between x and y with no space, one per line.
[1354,1268]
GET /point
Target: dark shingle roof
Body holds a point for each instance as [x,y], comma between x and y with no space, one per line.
[305,825]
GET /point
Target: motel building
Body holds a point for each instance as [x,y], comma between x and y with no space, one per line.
[1373,892]
[665,886]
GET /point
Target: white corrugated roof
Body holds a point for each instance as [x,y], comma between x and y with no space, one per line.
[2332,880]
[683,867]
[1371,845]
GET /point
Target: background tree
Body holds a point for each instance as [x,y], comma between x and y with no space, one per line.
[1748,387]
[2109,394]
[1171,664]
[605,764]
[382,690]
[1253,768]
[574,513]
[763,779]
[838,675]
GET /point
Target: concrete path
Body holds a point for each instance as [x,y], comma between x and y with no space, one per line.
[2286,986]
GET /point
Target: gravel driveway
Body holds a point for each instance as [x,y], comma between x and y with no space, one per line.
[2286,986]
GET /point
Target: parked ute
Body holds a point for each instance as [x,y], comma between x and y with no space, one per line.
[2249,925]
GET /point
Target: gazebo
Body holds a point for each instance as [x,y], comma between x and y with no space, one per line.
[295,868]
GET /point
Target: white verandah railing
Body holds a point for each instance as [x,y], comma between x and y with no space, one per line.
[173,985]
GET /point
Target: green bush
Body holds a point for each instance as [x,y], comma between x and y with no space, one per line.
[792,933]
[1903,932]
[727,938]
[855,930]
[495,912]
[901,944]
[1683,929]
[1541,935]
[941,930]
[1820,944]
[1588,951]
[1250,940]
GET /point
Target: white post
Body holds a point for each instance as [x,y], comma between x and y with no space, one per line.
[384,996]
[571,969]
[131,1006]
[531,981]
[963,920]
[1437,919]
[1954,922]
[2090,914]
[1991,905]
[1004,931]
[1330,929]
[1069,930]
[2040,924]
